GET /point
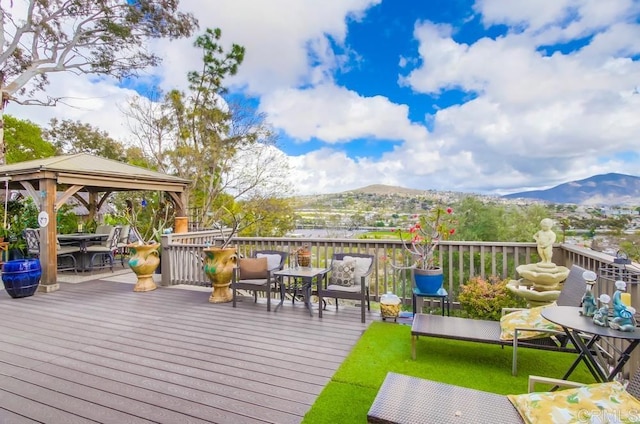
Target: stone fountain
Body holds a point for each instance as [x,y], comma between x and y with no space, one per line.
[540,283]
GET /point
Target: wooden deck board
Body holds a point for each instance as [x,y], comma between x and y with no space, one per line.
[98,352]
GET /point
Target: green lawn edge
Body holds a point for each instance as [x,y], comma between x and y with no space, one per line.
[386,347]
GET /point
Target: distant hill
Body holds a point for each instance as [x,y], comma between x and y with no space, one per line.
[381,189]
[606,189]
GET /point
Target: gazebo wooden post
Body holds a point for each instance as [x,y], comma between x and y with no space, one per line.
[48,245]
[85,173]
[178,199]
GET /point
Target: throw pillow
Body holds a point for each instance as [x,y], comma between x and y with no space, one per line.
[273,259]
[600,402]
[342,273]
[362,266]
[527,318]
[253,268]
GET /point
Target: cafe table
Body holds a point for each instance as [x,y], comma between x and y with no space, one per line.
[585,335]
[82,240]
[303,278]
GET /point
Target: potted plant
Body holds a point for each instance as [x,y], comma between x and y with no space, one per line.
[17,246]
[147,220]
[4,234]
[220,261]
[420,242]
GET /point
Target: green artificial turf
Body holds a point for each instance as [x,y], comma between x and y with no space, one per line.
[386,347]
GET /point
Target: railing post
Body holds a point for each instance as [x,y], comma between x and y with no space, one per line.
[165,260]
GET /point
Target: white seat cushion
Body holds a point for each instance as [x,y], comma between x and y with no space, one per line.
[351,289]
[258,282]
[273,260]
[362,266]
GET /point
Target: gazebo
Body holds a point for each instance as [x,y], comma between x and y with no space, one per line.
[69,175]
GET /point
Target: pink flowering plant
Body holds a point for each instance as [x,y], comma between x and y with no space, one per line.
[423,237]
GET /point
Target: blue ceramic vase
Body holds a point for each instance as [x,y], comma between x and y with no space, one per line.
[428,280]
[21,277]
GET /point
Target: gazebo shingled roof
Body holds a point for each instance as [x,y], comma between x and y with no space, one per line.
[43,178]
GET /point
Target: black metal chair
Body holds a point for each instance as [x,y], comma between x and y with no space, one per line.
[123,242]
[258,280]
[105,251]
[354,288]
[63,252]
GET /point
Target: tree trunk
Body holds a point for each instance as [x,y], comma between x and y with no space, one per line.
[3,103]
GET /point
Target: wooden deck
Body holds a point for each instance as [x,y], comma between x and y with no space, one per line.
[98,352]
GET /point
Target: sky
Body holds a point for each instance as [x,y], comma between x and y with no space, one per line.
[488,96]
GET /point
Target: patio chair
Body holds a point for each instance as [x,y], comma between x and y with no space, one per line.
[105,251]
[256,274]
[64,252]
[32,237]
[123,241]
[486,331]
[405,399]
[347,281]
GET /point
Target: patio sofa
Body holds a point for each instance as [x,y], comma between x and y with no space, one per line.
[486,331]
[403,399]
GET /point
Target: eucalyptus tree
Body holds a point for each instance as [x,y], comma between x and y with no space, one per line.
[217,141]
[147,119]
[40,37]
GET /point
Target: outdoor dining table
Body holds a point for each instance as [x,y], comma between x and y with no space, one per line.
[576,326]
[82,240]
[303,279]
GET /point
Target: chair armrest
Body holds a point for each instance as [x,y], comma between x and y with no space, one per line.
[533,379]
[368,273]
[235,272]
[271,277]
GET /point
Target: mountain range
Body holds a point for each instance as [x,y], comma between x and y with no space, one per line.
[604,190]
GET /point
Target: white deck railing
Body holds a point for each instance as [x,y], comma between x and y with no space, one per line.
[182,263]
[182,259]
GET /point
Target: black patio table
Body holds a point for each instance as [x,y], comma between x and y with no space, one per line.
[82,240]
[306,275]
[576,326]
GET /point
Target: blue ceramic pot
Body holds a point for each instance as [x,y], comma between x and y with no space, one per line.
[21,277]
[428,280]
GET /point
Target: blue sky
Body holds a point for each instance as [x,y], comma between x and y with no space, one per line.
[485,96]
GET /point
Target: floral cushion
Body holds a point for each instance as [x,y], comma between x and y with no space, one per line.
[595,403]
[527,318]
[253,268]
[342,273]
[362,266]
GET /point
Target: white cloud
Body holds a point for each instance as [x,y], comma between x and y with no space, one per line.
[82,98]
[537,119]
[335,114]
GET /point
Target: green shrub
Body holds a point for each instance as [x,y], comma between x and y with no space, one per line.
[484,298]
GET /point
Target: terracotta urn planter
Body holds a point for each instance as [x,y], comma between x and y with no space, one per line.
[143,260]
[219,263]
[304,256]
